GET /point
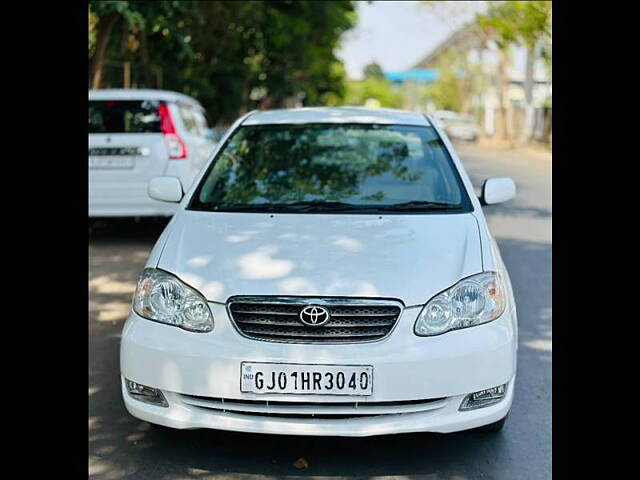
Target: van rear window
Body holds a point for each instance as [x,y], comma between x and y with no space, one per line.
[124,116]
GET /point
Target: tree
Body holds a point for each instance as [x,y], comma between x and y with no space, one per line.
[264,54]
[133,24]
[372,90]
[232,56]
[297,50]
[446,92]
[373,70]
[511,22]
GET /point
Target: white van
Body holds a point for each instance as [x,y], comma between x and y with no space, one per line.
[136,135]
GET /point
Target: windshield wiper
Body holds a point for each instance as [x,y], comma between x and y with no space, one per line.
[320,205]
[421,206]
[323,206]
[306,206]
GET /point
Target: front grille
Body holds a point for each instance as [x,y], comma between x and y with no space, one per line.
[278,319]
[327,410]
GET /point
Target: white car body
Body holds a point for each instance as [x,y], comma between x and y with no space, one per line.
[407,257]
[117,182]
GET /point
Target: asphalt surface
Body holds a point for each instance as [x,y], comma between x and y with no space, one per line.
[121,446]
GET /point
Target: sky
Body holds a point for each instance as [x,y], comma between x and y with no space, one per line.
[398,34]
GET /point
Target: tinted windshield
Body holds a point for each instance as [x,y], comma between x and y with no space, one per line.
[332,166]
[124,116]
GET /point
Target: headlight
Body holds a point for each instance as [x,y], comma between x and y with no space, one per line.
[162,297]
[472,301]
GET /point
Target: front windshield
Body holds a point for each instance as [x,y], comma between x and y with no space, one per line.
[315,167]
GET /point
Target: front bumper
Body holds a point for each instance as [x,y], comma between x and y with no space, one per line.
[406,367]
[443,420]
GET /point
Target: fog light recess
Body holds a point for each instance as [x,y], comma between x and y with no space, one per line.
[483,398]
[146,394]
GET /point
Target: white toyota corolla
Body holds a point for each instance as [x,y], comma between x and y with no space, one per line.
[330,272]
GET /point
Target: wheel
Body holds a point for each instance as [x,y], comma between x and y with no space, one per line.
[494,427]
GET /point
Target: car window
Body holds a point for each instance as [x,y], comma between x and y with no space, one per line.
[124,116]
[188,116]
[362,165]
[201,121]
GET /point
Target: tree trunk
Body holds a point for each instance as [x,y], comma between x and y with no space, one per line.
[146,63]
[527,131]
[104,27]
[502,133]
[466,84]
[246,92]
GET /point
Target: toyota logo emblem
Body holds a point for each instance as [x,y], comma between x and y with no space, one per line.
[314,316]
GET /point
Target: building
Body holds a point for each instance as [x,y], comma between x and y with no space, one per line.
[480,56]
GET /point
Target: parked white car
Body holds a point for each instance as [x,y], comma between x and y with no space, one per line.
[136,135]
[329,273]
[457,125]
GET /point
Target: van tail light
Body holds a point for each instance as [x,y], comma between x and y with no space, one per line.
[175,145]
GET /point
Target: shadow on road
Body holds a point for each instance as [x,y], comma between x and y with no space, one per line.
[529,266]
[123,230]
[145,451]
[118,250]
[519,211]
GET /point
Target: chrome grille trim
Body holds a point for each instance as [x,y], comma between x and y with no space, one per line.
[276,319]
[312,409]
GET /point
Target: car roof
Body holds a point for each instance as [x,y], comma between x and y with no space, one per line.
[336,115]
[139,94]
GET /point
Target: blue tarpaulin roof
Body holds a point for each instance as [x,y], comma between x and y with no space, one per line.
[423,75]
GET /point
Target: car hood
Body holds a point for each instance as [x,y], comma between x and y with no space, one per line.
[407,257]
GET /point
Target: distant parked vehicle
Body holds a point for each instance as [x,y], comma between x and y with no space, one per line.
[457,125]
[136,135]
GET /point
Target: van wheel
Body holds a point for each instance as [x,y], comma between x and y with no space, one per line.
[494,427]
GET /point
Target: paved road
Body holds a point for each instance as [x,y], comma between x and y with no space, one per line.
[123,447]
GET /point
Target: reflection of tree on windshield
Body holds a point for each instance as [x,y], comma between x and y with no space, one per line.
[292,163]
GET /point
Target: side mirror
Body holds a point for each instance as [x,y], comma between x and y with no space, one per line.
[165,189]
[497,190]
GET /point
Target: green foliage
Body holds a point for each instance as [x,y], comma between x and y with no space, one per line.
[546,55]
[127,10]
[233,56]
[516,21]
[93,20]
[373,89]
[373,70]
[359,92]
[446,92]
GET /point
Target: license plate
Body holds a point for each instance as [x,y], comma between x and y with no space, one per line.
[306,379]
[117,151]
[111,162]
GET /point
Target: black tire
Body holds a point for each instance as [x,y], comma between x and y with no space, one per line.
[494,427]
[156,427]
